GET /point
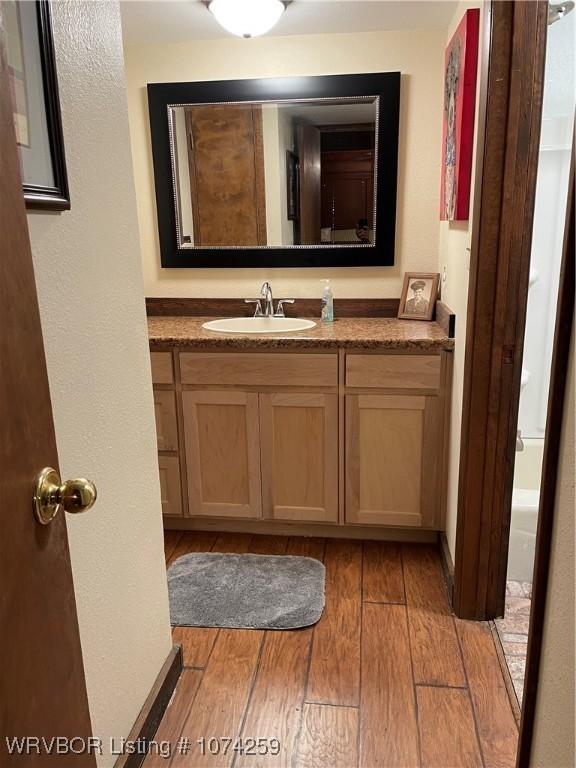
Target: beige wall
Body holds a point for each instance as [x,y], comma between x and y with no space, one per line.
[89,284]
[277,135]
[553,745]
[271,151]
[454,266]
[418,55]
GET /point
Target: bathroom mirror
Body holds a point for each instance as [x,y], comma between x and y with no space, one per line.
[279,172]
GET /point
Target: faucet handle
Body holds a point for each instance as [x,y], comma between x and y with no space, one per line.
[258,311]
[280,306]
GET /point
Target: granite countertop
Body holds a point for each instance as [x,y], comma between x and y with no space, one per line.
[358,332]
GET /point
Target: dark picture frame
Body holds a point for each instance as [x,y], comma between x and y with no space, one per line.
[37,194]
[384,86]
[424,283]
[292,187]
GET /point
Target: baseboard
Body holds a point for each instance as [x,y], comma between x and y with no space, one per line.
[325,530]
[447,565]
[147,722]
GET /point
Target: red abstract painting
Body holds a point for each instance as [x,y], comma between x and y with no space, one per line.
[460,66]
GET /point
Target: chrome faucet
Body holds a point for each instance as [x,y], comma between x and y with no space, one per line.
[268,300]
[266,296]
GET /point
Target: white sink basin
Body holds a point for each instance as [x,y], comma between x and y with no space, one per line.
[258,325]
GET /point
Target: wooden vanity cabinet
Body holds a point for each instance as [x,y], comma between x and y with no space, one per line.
[348,438]
[253,455]
[256,445]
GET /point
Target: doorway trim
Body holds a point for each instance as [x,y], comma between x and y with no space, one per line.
[512,79]
[554,421]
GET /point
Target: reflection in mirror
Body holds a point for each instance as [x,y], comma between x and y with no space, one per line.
[294,173]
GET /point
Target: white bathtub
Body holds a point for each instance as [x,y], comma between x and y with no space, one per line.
[525,510]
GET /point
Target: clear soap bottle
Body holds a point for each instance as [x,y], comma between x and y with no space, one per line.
[327,303]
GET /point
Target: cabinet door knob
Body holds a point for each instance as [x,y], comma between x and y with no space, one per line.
[51,495]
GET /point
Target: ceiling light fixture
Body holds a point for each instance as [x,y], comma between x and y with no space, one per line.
[247,18]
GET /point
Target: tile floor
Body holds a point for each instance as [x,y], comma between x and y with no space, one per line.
[513,631]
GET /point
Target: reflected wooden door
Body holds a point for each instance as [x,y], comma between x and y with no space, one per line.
[310,164]
[226,163]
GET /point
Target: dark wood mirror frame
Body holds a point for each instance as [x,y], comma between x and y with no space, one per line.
[57,197]
[384,85]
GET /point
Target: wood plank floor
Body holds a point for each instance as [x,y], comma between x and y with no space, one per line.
[386,679]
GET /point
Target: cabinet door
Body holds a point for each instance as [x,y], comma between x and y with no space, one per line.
[222,453]
[170,490]
[299,436]
[165,412]
[393,460]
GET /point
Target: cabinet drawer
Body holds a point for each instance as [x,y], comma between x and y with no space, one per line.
[161,363]
[393,371]
[166,425]
[259,370]
[170,489]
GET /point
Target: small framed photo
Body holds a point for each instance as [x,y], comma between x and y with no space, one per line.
[419,294]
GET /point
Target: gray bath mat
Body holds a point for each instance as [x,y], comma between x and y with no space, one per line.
[245,591]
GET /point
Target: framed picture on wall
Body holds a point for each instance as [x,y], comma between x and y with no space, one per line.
[419,294]
[34,89]
[460,67]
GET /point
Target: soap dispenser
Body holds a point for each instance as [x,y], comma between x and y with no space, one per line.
[327,303]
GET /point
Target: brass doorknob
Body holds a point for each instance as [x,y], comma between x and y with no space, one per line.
[51,495]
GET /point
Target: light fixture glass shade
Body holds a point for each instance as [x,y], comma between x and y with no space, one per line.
[247,18]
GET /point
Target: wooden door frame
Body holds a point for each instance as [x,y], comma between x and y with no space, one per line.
[512,79]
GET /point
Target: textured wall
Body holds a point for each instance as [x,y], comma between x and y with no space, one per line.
[553,743]
[89,282]
[454,265]
[418,55]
